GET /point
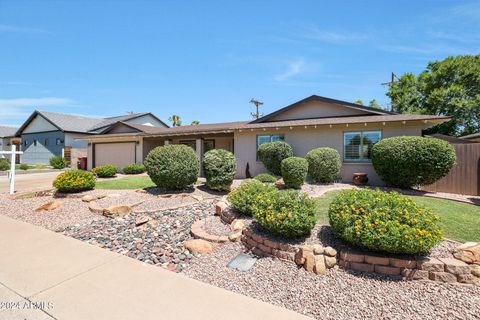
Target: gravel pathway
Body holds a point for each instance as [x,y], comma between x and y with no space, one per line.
[159,242]
[337,294]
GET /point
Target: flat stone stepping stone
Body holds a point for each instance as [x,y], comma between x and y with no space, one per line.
[243,262]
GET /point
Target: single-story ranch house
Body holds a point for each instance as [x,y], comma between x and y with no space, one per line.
[7,139]
[48,134]
[307,124]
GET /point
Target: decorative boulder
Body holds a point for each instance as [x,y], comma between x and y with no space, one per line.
[198,246]
[52,205]
[468,252]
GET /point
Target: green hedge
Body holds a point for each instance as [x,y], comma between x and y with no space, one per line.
[285,213]
[324,165]
[383,221]
[294,171]
[74,181]
[244,197]
[173,166]
[134,168]
[105,171]
[265,178]
[219,167]
[406,162]
[58,162]
[272,153]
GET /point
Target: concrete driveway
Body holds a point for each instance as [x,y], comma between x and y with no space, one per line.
[29,182]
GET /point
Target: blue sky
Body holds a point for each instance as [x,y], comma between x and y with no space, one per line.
[205,60]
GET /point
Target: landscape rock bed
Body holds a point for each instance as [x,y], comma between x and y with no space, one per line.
[338,294]
[158,241]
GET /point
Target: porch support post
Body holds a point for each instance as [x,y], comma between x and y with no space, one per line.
[199,149]
[167,142]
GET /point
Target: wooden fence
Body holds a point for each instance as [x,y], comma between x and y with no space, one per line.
[464,176]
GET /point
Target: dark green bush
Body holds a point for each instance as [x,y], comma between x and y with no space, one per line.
[244,197]
[406,162]
[4,164]
[265,178]
[58,162]
[324,165]
[173,166]
[23,166]
[383,221]
[74,181]
[219,167]
[294,171]
[286,213]
[272,154]
[134,168]
[105,171]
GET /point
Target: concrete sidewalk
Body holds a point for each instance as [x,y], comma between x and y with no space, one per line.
[74,280]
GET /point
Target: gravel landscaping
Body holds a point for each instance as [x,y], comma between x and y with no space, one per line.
[158,241]
[337,294]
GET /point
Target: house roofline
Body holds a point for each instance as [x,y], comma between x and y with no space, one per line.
[30,119]
[323,99]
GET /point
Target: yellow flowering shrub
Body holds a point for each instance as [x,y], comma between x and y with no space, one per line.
[286,213]
[74,181]
[383,221]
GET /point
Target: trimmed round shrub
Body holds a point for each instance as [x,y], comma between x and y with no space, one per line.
[244,197]
[105,171]
[324,165]
[4,164]
[134,168]
[383,221]
[406,162]
[58,162]
[265,178]
[272,153]
[74,181]
[219,167]
[286,213]
[294,171]
[173,166]
[23,166]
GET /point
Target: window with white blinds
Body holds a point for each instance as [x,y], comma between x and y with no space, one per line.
[357,145]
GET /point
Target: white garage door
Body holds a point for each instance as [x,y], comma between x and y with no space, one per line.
[119,154]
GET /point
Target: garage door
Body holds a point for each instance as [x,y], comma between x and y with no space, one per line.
[119,154]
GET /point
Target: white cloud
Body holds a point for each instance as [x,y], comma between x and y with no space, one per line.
[17,109]
[336,37]
[294,68]
[5,28]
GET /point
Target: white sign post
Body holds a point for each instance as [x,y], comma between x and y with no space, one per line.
[12,154]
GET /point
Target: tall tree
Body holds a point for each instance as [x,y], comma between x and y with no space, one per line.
[194,122]
[374,104]
[358,101]
[449,87]
[175,120]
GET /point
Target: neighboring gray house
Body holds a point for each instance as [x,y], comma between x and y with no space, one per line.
[7,138]
[48,134]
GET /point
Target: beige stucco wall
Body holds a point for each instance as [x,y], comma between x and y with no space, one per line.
[317,109]
[303,140]
[147,120]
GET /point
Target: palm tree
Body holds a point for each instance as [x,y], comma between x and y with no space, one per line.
[195,122]
[175,120]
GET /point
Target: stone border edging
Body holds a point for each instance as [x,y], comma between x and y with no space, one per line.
[448,270]
[198,233]
[265,247]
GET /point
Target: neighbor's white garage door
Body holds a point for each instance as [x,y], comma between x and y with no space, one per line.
[119,154]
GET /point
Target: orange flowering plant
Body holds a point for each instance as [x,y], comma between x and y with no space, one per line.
[383,221]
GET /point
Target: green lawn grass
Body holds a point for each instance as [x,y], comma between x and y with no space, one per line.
[459,221]
[135,182]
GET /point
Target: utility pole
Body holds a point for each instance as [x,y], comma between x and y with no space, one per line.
[257,104]
[390,84]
